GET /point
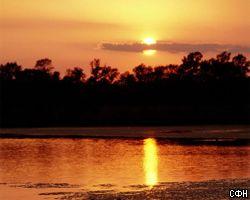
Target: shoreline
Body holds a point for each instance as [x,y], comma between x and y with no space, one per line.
[216,135]
[209,189]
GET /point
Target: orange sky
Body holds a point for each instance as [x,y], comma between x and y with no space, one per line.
[69,32]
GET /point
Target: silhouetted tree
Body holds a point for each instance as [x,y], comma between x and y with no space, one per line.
[165,72]
[44,64]
[223,57]
[160,73]
[223,68]
[75,75]
[41,72]
[207,70]
[33,75]
[105,74]
[143,73]
[95,69]
[55,76]
[241,64]
[190,65]
[127,79]
[9,71]
[197,91]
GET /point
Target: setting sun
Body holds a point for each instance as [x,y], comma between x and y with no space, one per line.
[149,41]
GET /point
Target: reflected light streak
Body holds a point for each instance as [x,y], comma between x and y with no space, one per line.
[150,163]
[149,52]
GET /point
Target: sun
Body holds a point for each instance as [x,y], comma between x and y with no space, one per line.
[149,41]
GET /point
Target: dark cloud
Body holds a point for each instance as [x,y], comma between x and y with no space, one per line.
[175,47]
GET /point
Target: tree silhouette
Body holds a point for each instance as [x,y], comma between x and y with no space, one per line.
[127,79]
[33,75]
[105,74]
[9,71]
[76,75]
[143,73]
[241,65]
[165,72]
[44,64]
[160,73]
[192,68]
[223,68]
[198,90]
[190,65]
[55,76]
[223,57]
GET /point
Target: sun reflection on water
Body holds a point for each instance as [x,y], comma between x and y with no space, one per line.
[149,52]
[150,163]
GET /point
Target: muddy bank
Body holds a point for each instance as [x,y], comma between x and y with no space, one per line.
[206,190]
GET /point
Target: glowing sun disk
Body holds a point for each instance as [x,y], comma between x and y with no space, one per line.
[149,41]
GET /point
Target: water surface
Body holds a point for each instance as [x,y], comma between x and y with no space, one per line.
[57,165]
[90,162]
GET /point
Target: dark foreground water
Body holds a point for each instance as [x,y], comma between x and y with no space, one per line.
[111,168]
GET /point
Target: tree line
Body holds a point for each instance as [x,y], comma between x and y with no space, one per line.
[193,67]
[197,91]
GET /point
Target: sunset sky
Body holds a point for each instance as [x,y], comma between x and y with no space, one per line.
[74,32]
